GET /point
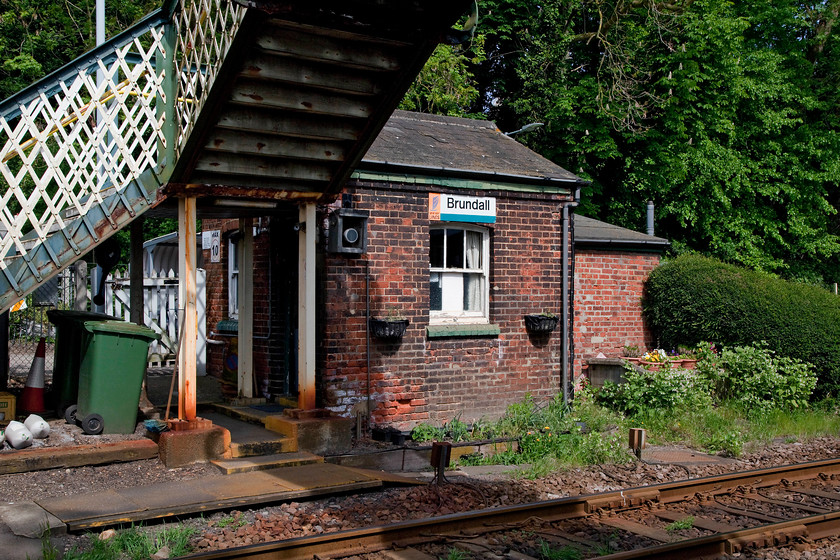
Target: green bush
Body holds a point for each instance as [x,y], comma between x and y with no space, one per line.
[754,378]
[661,390]
[694,298]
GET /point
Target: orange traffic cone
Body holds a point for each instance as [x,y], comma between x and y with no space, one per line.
[32,398]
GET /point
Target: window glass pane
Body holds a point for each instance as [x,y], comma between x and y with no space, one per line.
[435,292]
[436,248]
[454,248]
[473,253]
[473,292]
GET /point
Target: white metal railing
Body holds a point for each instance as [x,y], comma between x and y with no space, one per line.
[76,140]
[205,32]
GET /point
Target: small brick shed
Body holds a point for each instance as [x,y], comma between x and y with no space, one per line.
[611,266]
[460,230]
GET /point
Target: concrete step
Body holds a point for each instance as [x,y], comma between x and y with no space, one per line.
[251,438]
[265,446]
[265,462]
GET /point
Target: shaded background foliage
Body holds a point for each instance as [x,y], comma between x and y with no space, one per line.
[723,113]
[694,298]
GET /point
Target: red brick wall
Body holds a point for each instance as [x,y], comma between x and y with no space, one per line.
[423,379]
[217,304]
[608,312]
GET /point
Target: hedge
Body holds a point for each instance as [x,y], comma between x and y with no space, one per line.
[694,298]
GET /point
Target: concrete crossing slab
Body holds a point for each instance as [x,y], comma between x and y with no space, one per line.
[159,501]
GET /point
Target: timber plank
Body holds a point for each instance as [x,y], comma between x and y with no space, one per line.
[261,94]
[294,126]
[701,522]
[330,49]
[274,68]
[637,528]
[337,34]
[226,163]
[42,458]
[271,146]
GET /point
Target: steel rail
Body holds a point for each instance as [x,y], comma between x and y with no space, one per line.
[406,533]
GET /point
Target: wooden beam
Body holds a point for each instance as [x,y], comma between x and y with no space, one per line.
[271,146]
[288,124]
[326,49]
[281,26]
[245,297]
[227,163]
[187,303]
[208,189]
[306,307]
[273,189]
[280,96]
[291,71]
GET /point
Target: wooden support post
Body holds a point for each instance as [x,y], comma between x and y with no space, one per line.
[136,272]
[136,302]
[245,297]
[186,302]
[306,307]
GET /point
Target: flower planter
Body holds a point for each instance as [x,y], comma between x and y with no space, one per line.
[631,360]
[388,329]
[688,363]
[653,366]
[540,323]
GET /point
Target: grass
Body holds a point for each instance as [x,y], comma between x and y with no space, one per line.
[135,544]
[680,525]
[553,437]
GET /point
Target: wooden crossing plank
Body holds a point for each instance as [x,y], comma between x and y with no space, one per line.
[701,522]
[638,528]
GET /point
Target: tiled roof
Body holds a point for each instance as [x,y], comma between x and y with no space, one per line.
[440,143]
[595,233]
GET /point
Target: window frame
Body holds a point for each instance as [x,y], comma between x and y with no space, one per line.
[444,317]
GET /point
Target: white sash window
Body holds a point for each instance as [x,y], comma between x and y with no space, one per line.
[459,263]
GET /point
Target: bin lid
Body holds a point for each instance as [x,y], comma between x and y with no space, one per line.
[57,316]
[121,327]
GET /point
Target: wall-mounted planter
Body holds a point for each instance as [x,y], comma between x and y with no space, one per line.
[540,323]
[388,329]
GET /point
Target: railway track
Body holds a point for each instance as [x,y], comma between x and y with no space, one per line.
[700,518]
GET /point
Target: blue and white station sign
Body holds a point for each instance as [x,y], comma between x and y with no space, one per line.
[452,208]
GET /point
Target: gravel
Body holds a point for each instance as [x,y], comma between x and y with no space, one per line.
[283,521]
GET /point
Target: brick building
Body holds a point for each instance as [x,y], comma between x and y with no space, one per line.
[446,223]
[611,266]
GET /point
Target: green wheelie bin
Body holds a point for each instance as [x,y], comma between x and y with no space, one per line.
[69,336]
[110,376]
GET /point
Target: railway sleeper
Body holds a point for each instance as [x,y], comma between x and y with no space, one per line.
[766,539]
[618,500]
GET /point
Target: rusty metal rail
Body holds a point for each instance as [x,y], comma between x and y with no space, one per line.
[404,534]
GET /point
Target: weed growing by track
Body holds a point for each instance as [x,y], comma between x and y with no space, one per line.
[740,399]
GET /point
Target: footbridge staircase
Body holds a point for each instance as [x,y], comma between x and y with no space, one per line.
[242,100]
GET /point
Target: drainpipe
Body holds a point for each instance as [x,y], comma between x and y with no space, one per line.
[565,315]
[367,338]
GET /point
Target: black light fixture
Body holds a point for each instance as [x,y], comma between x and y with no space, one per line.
[348,231]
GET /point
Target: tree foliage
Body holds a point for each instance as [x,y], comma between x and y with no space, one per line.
[39,36]
[722,113]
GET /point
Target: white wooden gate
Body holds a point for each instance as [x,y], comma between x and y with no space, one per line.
[160,313]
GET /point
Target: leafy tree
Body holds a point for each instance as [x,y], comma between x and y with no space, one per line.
[723,113]
[37,36]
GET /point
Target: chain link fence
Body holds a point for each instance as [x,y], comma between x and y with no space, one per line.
[29,324]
